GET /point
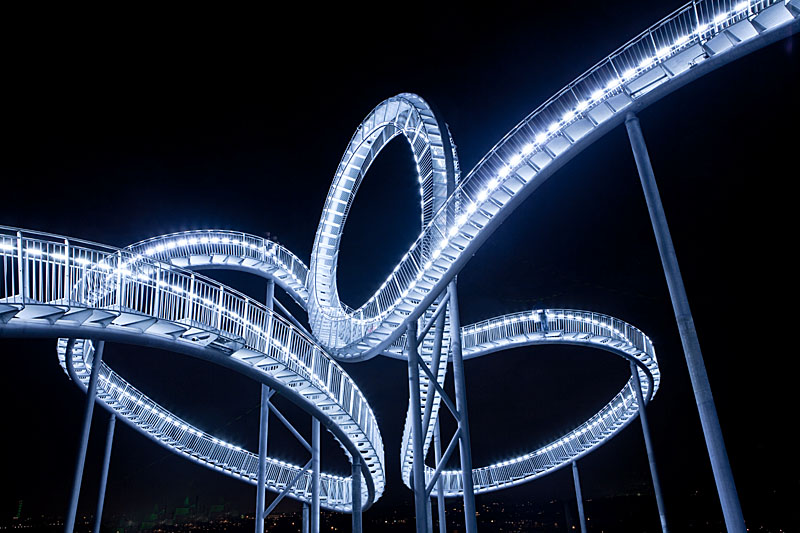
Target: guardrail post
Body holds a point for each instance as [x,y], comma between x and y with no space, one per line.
[23,285]
[119,280]
[190,301]
[464,447]
[101,496]
[263,433]
[219,307]
[91,395]
[357,493]
[67,273]
[579,495]
[649,446]
[723,476]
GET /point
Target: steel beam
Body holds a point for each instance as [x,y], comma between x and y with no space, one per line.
[91,395]
[579,495]
[289,486]
[723,476]
[315,480]
[470,520]
[306,518]
[101,495]
[356,470]
[436,359]
[437,474]
[290,427]
[649,446]
[417,437]
[261,477]
[437,450]
[263,434]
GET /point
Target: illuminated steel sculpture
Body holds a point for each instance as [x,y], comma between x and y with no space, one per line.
[149,294]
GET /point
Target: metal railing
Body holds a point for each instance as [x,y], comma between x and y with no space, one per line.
[193,443]
[512,163]
[553,326]
[46,269]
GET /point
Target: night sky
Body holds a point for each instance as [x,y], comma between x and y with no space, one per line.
[166,122]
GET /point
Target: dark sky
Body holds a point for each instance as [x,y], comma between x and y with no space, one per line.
[161,122]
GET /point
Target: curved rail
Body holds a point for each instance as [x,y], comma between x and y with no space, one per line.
[547,327]
[142,294]
[179,436]
[208,248]
[52,287]
[436,162]
[692,41]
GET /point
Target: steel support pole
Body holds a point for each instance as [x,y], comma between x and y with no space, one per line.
[315,484]
[437,450]
[263,433]
[91,395]
[306,518]
[648,444]
[261,483]
[417,437]
[579,496]
[357,493]
[429,514]
[723,476]
[101,496]
[470,520]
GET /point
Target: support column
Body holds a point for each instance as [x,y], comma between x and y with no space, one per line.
[429,514]
[464,447]
[357,460]
[723,476]
[91,395]
[261,477]
[306,518]
[649,446]
[101,496]
[417,437]
[263,433]
[315,485]
[579,496]
[437,450]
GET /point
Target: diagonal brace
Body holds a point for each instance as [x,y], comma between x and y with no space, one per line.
[441,309]
[439,389]
[445,457]
[286,489]
[290,427]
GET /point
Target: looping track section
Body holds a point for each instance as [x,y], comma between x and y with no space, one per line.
[150,295]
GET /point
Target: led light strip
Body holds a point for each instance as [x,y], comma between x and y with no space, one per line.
[133,292]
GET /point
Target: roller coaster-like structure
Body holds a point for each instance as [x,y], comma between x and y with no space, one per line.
[151,294]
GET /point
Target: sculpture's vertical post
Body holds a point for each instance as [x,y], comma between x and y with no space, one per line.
[464,447]
[357,493]
[437,450]
[637,385]
[429,515]
[101,496]
[91,395]
[315,479]
[723,476]
[417,437]
[579,496]
[263,433]
[306,518]
[21,274]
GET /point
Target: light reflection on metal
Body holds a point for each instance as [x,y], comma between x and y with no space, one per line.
[149,289]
